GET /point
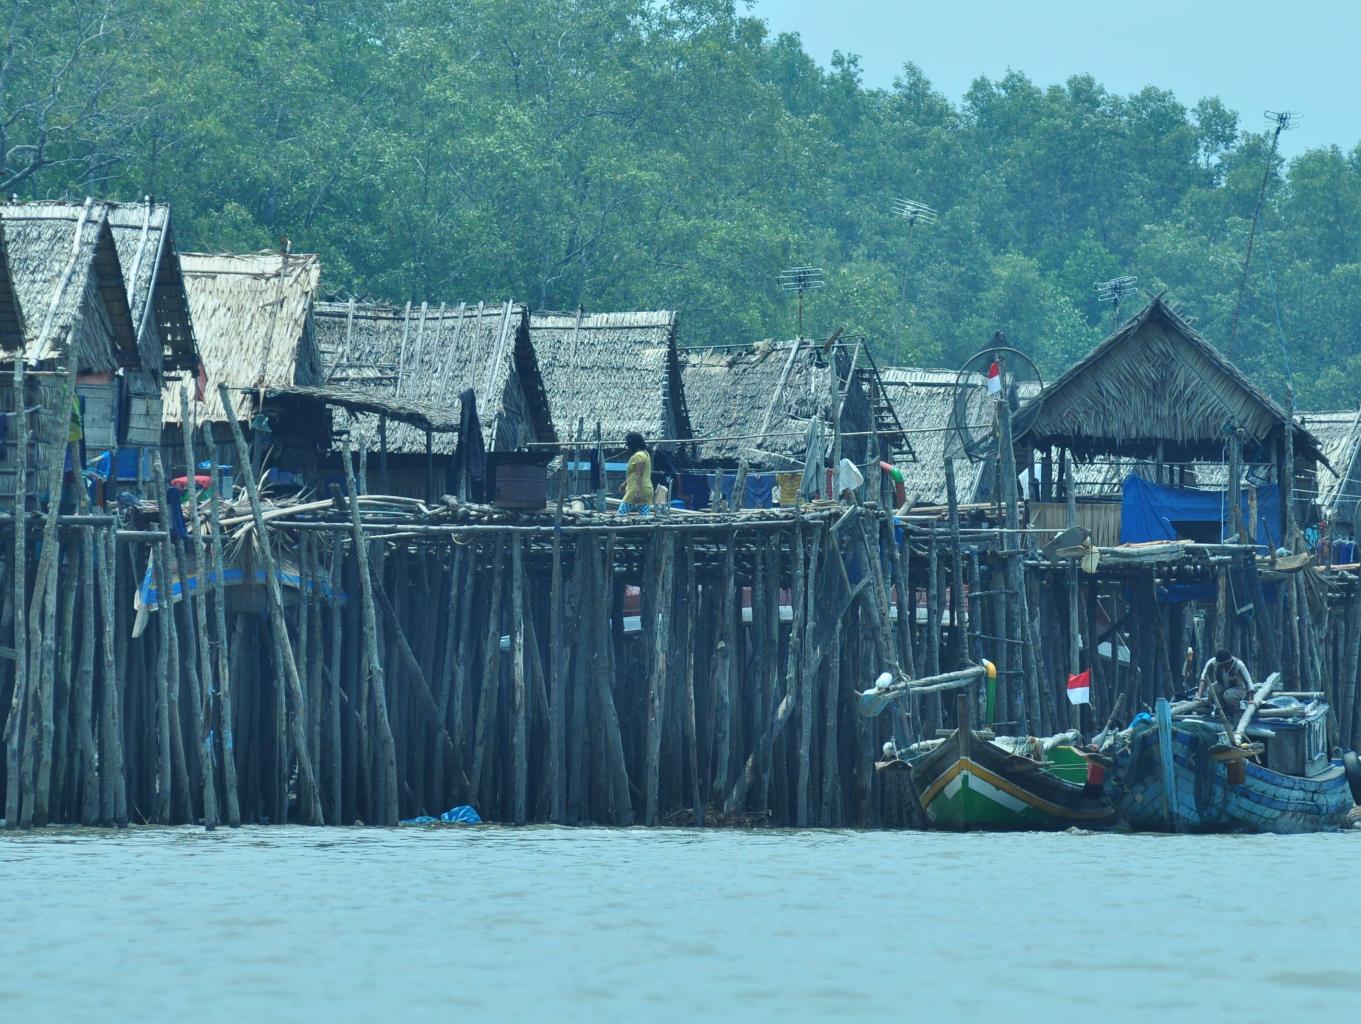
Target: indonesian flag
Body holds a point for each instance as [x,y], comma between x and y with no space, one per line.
[994,379]
[200,383]
[1080,688]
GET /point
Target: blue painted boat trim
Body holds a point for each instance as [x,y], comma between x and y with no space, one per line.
[1267,801]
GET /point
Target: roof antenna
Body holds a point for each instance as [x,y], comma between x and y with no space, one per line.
[914,213]
[1113,291]
[1284,121]
[801,280]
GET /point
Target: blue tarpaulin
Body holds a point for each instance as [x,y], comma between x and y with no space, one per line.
[1149,511]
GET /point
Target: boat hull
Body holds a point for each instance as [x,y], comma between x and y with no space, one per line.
[967,784]
[1203,800]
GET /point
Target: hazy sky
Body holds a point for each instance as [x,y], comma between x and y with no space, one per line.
[1253,54]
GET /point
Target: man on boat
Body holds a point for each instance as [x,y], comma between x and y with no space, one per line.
[1230,678]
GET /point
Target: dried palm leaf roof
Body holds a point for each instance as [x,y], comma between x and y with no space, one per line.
[155,285]
[924,400]
[620,370]
[429,357]
[1157,380]
[11,317]
[1339,434]
[729,394]
[252,315]
[68,283]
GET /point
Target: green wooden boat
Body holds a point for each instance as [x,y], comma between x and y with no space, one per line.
[970,782]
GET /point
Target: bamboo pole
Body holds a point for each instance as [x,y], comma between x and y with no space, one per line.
[42,628]
[224,682]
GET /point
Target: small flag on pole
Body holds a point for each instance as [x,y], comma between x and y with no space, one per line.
[994,379]
[1080,688]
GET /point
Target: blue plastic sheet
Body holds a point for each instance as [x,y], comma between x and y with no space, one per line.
[460,815]
[1148,511]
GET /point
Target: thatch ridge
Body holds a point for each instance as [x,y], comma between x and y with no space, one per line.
[252,314]
[621,370]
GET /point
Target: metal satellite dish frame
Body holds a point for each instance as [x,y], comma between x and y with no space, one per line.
[979,448]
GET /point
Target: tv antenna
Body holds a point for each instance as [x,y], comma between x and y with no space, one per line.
[1284,120]
[914,213]
[1114,292]
[801,280]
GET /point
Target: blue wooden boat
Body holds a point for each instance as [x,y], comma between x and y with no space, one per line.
[1182,775]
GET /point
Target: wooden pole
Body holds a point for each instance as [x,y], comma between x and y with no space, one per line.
[308,792]
[226,718]
[14,732]
[113,795]
[197,603]
[656,700]
[519,738]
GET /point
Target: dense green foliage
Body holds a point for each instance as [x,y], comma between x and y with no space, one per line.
[672,153]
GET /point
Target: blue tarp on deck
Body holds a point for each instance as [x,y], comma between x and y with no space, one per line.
[1148,511]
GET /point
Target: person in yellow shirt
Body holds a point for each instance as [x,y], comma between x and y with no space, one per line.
[637,486]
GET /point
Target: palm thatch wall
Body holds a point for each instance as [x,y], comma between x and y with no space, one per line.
[1157,388]
[68,283]
[731,394]
[252,317]
[424,356]
[620,370]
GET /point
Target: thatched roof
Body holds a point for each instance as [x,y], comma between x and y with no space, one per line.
[11,316]
[68,283]
[924,400]
[155,286]
[728,393]
[429,356]
[1157,380]
[252,316]
[1339,434]
[620,370]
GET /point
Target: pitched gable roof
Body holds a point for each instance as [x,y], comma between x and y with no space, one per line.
[429,357]
[729,391]
[252,315]
[155,285]
[61,259]
[620,370]
[924,400]
[1156,379]
[11,317]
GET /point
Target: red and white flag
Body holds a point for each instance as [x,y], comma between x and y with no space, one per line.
[1080,688]
[994,379]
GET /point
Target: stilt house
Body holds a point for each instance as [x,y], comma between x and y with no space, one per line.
[64,310]
[252,316]
[755,404]
[619,370]
[428,357]
[1157,392]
